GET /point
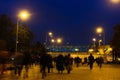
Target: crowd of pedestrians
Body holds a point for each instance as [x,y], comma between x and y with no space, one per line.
[65,62]
[20,61]
[47,63]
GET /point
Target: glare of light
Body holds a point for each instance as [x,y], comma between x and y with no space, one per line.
[24,15]
[91,50]
[100,40]
[52,40]
[76,49]
[99,30]
[94,39]
[115,1]
[50,33]
[59,40]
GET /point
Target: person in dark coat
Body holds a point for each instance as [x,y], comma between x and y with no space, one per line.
[97,60]
[18,63]
[68,63]
[100,61]
[43,64]
[60,63]
[49,62]
[77,61]
[91,61]
[26,63]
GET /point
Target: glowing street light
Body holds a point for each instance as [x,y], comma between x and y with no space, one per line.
[76,49]
[115,1]
[50,34]
[59,40]
[23,15]
[100,42]
[52,40]
[99,30]
[94,40]
[48,37]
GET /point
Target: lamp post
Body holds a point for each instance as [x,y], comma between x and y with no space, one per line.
[99,30]
[100,42]
[23,15]
[101,39]
[51,41]
[101,33]
[16,45]
[59,41]
[50,35]
[94,41]
[94,44]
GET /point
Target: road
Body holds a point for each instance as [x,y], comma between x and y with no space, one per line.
[107,72]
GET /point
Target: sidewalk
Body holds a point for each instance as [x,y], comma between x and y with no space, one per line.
[108,72]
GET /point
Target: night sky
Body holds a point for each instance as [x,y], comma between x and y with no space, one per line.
[73,20]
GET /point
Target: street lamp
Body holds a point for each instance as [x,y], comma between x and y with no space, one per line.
[101,33]
[49,35]
[52,40]
[100,42]
[23,15]
[94,41]
[55,42]
[101,39]
[59,40]
[99,30]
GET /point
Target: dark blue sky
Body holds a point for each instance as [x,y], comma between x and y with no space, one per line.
[74,20]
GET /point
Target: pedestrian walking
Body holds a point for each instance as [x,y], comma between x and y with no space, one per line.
[68,63]
[100,61]
[49,63]
[85,61]
[77,61]
[97,60]
[26,63]
[91,61]
[60,63]
[43,64]
[18,63]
